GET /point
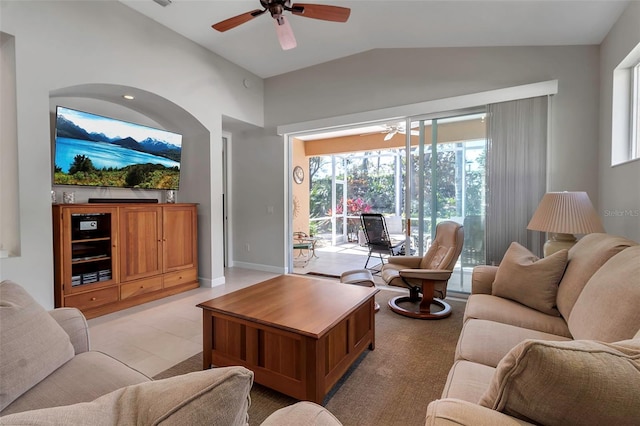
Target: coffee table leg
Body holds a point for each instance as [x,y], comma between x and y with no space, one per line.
[315,372]
[207,339]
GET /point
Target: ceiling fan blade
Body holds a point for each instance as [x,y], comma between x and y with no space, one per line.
[390,135]
[285,33]
[321,11]
[230,23]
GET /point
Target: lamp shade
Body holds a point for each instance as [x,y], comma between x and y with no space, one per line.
[567,213]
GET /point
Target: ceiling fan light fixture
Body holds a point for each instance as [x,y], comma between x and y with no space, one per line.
[285,33]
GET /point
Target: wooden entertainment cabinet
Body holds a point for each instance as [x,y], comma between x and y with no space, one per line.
[109,257]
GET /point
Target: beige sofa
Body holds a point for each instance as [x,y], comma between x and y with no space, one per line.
[539,352]
[49,375]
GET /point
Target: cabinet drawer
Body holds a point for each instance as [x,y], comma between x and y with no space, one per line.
[92,299]
[180,277]
[140,287]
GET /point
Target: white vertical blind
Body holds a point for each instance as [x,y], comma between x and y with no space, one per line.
[516,173]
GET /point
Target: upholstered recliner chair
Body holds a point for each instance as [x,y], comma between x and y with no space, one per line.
[427,275]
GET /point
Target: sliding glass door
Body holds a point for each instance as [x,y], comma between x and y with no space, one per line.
[418,172]
[446,181]
[345,186]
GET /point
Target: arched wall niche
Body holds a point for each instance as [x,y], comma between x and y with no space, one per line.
[152,110]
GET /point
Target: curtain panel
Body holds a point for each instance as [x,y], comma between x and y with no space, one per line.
[516,173]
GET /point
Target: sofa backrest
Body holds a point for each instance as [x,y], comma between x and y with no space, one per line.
[585,258]
[608,309]
[32,343]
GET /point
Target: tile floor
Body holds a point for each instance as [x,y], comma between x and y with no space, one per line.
[334,260]
[157,335]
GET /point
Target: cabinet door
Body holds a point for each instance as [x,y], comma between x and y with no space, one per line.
[179,237]
[140,242]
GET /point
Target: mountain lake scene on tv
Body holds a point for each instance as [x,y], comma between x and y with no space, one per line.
[91,150]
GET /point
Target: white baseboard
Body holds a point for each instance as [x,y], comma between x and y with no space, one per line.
[209,283]
[259,267]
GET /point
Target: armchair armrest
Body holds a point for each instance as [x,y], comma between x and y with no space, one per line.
[427,274]
[482,279]
[75,324]
[408,261]
[303,413]
[457,412]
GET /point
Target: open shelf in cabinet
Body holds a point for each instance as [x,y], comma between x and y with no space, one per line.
[91,245]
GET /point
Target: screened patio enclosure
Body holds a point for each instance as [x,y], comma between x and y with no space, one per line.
[435,173]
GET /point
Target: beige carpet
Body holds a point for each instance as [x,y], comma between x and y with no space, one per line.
[391,385]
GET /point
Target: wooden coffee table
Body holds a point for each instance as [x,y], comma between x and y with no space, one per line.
[298,335]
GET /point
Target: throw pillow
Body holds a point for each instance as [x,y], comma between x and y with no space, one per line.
[32,343]
[219,396]
[580,382]
[527,279]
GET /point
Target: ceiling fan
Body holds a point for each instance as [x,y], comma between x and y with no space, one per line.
[283,29]
[390,130]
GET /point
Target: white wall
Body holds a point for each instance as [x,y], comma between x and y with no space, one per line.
[258,208]
[385,78]
[619,185]
[64,44]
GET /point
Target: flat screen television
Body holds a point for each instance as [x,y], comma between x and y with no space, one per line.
[93,150]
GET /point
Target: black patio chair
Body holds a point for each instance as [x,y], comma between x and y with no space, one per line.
[378,240]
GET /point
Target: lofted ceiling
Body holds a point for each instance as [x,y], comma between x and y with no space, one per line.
[384,24]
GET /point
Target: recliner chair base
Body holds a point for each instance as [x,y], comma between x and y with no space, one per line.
[420,308]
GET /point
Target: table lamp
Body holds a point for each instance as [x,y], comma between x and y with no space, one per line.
[563,214]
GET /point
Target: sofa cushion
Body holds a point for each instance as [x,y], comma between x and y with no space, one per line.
[219,396]
[467,381]
[585,258]
[86,377]
[527,279]
[487,342]
[560,383]
[493,308]
[32,344]
[608,308]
